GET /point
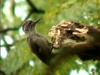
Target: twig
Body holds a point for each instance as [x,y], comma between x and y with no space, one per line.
[33,8]
[9,29]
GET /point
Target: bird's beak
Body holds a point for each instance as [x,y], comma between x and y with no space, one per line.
[35,22]
[28,25]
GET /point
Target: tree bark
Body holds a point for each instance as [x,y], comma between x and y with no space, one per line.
[83,41]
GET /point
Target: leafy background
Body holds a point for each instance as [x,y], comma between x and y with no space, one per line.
[15,55]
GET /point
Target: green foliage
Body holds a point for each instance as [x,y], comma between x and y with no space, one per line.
[17,61]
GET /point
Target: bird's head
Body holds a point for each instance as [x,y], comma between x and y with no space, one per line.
[29,25]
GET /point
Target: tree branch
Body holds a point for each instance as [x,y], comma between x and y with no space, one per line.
[70,39]
[9,29]
[33,8]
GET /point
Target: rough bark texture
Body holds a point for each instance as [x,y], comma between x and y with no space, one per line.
[71,38]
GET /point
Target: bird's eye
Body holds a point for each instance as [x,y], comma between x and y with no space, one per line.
[27,26]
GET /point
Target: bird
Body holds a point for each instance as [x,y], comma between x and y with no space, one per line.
[38,43]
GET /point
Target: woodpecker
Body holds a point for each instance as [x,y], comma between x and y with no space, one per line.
[38,43]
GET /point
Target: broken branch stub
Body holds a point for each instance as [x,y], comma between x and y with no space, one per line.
[67,31]
[76,36]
